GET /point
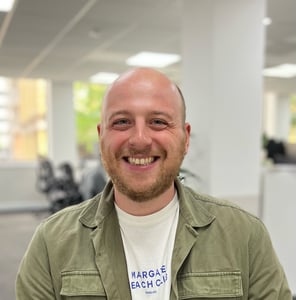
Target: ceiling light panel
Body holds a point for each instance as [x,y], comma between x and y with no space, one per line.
[104,77]
[153,59]
[281,71]
[6,5]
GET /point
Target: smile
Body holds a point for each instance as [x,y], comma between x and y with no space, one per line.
[143,161]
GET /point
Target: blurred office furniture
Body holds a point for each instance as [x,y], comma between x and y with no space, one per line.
[59,186]
[280,152]
[92,180]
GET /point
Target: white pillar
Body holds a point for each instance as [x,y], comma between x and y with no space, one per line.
[223,47]
[62,137]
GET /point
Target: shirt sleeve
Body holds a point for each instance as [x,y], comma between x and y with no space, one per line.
[34,279]
[267,277]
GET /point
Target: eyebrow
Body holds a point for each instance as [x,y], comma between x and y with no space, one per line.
[162,113]
[120,112]
[126,112]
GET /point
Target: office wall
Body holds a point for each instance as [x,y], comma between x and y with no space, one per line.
[18,188]
[279,208]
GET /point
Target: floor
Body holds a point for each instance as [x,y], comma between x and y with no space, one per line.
[16,230]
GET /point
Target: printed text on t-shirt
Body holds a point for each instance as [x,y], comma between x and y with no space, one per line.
[149,279]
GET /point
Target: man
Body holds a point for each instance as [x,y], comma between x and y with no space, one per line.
[147,236]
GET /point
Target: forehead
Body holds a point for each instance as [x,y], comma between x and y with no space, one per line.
[142,91]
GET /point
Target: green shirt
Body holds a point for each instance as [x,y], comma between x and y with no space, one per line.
[220,252]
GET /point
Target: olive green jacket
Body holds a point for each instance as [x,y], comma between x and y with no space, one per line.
[220,252]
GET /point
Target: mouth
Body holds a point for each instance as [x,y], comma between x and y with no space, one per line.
[140,161]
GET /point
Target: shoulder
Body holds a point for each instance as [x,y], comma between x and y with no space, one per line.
[224,219]
[222,210]
[71,218]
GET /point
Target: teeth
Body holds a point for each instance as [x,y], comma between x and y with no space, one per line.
[140,161]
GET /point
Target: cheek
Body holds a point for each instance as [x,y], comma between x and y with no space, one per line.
[112,141]
[176,139]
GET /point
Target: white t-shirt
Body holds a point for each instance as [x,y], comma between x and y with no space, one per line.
[148,243]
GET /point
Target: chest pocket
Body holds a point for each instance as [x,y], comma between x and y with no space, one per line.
[82,285]
[210,285]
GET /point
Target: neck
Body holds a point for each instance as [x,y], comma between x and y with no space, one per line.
[144,208]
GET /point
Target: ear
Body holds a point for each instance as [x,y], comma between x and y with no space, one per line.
[99,130]
[187,132]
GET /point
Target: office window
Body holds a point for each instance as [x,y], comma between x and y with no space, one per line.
[87,102]
[23,124]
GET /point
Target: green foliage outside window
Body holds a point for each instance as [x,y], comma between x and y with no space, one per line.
[87,102]
[292,134]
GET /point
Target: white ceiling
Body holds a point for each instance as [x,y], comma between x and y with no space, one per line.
[74,39]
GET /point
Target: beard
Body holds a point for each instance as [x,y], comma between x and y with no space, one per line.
[154,186]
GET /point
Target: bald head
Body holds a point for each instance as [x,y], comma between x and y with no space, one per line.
[146,80]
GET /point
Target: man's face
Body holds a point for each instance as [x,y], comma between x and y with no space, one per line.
[143,137]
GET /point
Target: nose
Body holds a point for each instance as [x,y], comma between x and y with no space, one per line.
[140,137]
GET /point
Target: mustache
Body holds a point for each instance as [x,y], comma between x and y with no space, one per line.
[146,152]
[141,152]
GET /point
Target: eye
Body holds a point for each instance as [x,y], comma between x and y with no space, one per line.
[121,124]
[159,124]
